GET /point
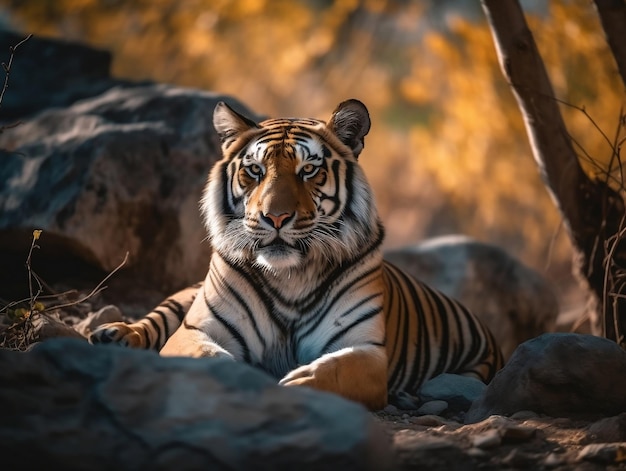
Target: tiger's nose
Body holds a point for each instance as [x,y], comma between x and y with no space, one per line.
[277,221]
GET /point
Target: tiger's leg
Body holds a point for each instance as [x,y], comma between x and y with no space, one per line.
[357,373]
[153,330]
[189,341]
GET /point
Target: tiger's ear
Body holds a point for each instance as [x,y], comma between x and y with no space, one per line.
[351,122]
[229,124]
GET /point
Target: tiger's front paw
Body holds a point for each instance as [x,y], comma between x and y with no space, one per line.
[306,375]
[356,374]
[117,333]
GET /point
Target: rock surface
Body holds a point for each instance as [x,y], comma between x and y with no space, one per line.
[513,300]
[120,172]
[561,375]
[75,406]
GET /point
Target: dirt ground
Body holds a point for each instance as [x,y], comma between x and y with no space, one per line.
[528,442]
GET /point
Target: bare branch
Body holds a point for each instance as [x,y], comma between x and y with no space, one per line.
[7,67]
[612,15]
[99,287]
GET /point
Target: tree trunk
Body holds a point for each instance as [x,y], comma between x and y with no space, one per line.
[612,15]
[592,212]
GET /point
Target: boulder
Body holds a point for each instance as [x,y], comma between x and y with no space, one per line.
[118,173]
[514,301]
[560,375]
[72,405]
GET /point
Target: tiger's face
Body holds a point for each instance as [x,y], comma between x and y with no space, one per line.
[289,192]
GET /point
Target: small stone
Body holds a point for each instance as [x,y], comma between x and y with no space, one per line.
[489,439]
[553,460]
[45,327]
[458,391]
[94,320]
[432,408]
[404,401]
[524,415]
[604,452]
[518,433]
[391,409]
[428,421]
[610,429]
[517,459]
[475,452]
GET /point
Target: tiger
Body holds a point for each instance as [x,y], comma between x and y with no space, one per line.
[297,285]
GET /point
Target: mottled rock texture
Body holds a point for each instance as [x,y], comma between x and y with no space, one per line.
[560,375]
[71,405]
[120,172]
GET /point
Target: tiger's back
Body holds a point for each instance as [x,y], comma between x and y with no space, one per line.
[296,284]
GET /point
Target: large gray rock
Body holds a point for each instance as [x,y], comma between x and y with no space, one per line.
[70,405]
[120,172]
[513,300]
[560,375]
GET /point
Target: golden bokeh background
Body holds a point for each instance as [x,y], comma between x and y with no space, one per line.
[447,152]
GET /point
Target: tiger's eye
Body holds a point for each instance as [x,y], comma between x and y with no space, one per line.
[308,171]
[255,171]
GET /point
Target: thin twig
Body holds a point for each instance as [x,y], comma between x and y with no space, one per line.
[33,297]
[7,70]
[96,290]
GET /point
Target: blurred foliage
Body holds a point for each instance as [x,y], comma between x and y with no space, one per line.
[448,150]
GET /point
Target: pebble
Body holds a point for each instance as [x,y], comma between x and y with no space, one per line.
[604,452]
[518,433]
[475,452]
[432,408]
[391,409]
[517,459]
[553,460]
[489,439]
[429,420]
[524,415]
[608,430]
[93,320]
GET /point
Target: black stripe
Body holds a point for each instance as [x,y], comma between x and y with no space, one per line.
[234,333]
[175,307]
[255,282]
[323,288]
[235,294]
[157,329]
[164,317]
[364,317]
[319,315]
[397,371]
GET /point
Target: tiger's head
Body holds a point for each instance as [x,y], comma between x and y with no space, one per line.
[289,192]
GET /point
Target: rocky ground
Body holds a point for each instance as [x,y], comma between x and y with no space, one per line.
[524,441]
[426,439]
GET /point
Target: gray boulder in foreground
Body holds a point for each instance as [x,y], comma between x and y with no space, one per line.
[560,375]
[71,405]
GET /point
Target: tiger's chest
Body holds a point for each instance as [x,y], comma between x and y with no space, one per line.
[300,339]
[280,324]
